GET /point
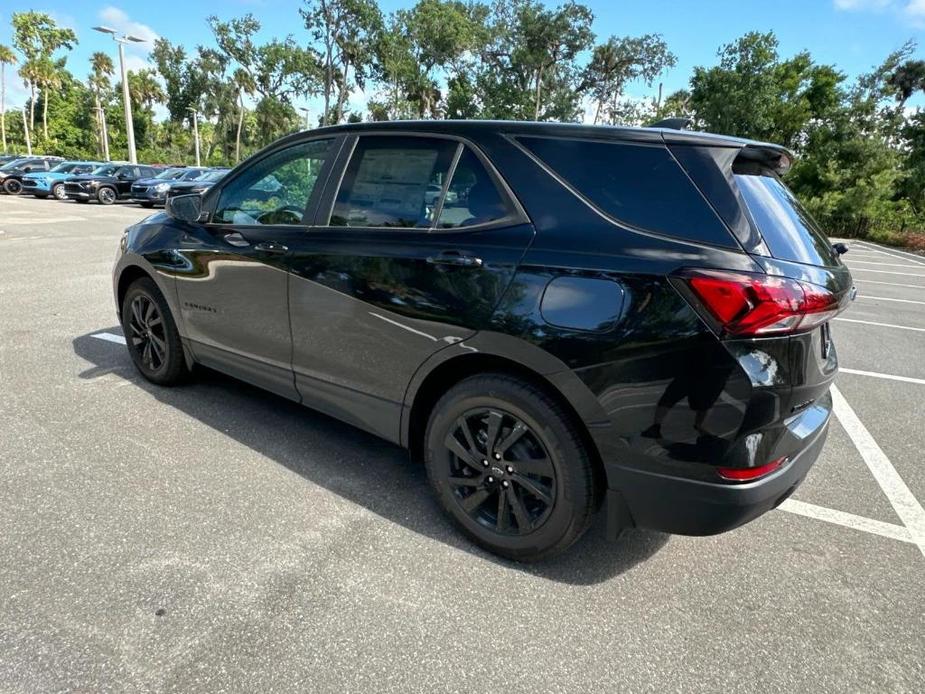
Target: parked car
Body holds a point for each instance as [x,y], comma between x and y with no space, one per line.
[197,185]
[149,192]
[41,185]
[12,172]
[108,183]
[7,158]
[633,318]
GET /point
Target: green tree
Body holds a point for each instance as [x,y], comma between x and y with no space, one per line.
[7,57]
[101,69]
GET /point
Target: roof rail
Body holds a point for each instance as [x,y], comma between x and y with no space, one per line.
[672,123]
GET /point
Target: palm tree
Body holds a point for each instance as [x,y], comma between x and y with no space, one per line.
[101,68]
[7,57]
[48,78]
[30,71]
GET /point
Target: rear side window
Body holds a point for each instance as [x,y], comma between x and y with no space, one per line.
[639,185]
[788,230]
[471,197]
[393,182]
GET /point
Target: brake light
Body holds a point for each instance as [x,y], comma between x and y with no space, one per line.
[754,305]
[747,474]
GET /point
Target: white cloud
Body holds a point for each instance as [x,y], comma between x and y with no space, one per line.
[913,11]
[117,19]
[855,5]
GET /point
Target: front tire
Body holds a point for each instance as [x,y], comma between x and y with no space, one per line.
[58,191]
[12,186]
[151,334]
[106,195]
[510,467]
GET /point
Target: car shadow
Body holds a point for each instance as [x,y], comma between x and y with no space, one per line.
[384,480]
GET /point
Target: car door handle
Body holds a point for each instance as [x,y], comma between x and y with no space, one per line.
[455,258]
[271,247]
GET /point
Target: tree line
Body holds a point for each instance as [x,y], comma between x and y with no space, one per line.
[861,149]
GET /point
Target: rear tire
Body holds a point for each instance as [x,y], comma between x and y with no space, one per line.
[58,191]
[12,186]
[520,481]
[151,334]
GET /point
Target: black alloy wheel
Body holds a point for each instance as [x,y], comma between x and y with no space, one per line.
[12,186]
[500,471]
[509,465]
[151,335]
[106,195]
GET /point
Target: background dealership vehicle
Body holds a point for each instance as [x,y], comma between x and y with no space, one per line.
[41,185]
[197,185]
[149,192]
[633,318]
[12,172]
[107,183]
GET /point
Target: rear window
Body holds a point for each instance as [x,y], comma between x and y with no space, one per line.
[788,230]
[640,185]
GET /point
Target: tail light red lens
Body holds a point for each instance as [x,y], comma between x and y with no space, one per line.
[755,305]
[747,474]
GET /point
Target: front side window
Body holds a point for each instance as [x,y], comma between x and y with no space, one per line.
[106,170]
[393,182]
[471,197]
[276,189]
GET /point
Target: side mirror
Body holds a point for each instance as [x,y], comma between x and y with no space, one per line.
[840,248]
[186,208]
[27,169]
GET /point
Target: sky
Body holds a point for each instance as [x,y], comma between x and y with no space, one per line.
[854,35]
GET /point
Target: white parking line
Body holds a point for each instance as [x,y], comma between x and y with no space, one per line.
[889,284]
[886,272]
[887,298]
[847,520]
[907,507]
[901,255]
[882,325]
[888,377]
[109,337]
[871,262]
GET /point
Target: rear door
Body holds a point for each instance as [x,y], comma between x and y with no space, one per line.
[390,273]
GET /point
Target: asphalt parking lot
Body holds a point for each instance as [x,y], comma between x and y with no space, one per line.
[217,538]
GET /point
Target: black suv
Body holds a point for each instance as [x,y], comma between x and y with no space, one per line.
[11,173]
[197,185]
[149,192]
[108,183]
[583,317]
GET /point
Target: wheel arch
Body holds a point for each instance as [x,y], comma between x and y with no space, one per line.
[454,364]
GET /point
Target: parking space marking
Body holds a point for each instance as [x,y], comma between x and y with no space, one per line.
[882,325]
[889,377]
[887,272]
[110,337]
[886,298]
[895,253]
[889,284]
[871,262]
[847,520]
[902,500]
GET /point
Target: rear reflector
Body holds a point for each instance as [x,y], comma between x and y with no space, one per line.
[747,474]
[747,304]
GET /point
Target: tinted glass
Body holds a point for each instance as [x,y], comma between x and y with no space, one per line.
[276,189]
[788,230]
[213,175]
[393,182]
[106,170]
[12,164]
[170,174]
[472,197]
[65,168]
[642,186]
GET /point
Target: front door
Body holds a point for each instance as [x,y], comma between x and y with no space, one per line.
[234,292]
[411,254]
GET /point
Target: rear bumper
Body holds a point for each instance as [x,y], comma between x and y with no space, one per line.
[696,507]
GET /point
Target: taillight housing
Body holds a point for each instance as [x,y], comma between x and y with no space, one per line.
[755,305]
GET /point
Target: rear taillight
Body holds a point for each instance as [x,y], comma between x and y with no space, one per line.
[749,474]
[747,304]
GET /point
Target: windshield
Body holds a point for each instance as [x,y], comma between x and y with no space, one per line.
[64,168]
[105,170]
[170,174]
[788,229]
[12,164]
[212,176]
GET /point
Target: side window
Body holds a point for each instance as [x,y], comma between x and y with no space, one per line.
[276,189]
[393,182]
[472,197]
[639,185]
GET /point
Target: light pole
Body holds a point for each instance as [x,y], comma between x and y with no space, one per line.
[126,100]
[195,130]
[308,125]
